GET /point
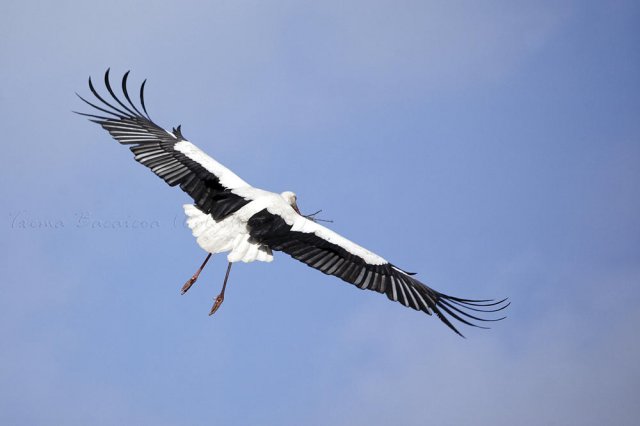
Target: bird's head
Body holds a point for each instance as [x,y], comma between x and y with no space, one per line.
[291,199]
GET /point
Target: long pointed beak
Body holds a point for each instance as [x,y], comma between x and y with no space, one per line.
[295,207]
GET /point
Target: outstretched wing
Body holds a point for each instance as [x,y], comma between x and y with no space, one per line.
[167,153]
[332,254]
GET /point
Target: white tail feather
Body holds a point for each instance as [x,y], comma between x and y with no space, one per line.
[214,237]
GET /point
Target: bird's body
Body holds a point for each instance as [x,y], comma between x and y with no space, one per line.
[233,234]
[229,215]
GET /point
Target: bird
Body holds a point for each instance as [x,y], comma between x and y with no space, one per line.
[228,215]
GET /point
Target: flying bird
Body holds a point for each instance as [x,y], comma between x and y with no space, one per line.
[229,215]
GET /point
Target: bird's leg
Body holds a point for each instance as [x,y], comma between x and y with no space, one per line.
[220,297]
[195,276]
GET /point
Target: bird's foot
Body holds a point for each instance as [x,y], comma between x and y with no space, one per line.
[188,284]
[217,304]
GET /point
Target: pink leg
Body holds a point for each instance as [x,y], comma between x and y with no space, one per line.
[195,276]
[220,297]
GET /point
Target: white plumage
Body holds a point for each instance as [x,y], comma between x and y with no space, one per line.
[229,215]
[226,177]
[228,235]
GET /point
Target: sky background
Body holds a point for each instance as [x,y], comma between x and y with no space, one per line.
[492,147]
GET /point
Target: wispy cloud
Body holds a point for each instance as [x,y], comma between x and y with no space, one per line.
[559,370]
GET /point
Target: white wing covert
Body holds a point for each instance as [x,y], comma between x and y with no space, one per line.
[167,153]
[332,254]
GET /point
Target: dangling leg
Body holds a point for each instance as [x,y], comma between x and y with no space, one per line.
[195,276]
[220,297]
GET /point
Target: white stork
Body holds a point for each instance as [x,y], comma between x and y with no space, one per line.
[229,215]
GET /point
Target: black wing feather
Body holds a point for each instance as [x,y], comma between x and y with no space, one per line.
[154,147]
[271,230]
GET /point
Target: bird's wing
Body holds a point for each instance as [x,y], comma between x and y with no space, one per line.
[332,254]
[167,153]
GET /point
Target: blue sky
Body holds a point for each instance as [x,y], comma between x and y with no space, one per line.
[492,147]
